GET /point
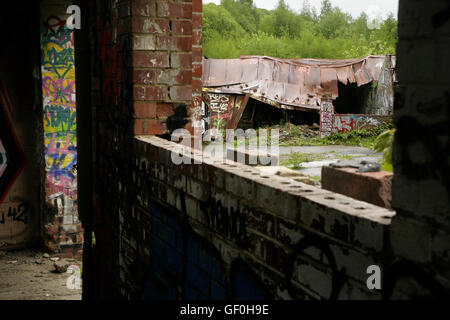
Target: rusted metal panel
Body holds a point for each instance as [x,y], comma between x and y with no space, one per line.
[238,110]
[271,79]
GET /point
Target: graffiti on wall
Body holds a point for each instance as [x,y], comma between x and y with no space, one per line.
[218,112]
[59,112]
[229,222]
[350,122]
[185,266]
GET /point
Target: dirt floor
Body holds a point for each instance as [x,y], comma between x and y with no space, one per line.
[30,275]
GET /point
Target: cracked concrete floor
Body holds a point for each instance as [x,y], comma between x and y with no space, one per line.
[27,275]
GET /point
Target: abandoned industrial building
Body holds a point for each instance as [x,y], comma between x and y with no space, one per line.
[300,85]
[87,180]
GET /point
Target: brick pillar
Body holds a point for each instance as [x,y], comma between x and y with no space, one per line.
[195,112]
[63,232]
[420,233]
[162,47]
[326,116]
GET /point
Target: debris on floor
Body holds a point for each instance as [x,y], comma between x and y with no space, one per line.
[31,275]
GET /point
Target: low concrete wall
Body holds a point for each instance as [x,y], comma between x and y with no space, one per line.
[224,230]
[372,187]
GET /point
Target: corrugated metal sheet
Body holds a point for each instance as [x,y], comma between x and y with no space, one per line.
[290,82]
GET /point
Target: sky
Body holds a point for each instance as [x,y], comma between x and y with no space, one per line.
[354,7]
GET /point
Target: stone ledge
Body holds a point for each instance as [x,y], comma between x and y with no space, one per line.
[371,187]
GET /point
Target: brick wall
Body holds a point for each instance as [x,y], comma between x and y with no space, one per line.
[421,188]
[166,48]
[223,230]
[216,230]
[142,71]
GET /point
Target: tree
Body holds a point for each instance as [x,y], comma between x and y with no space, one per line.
[326,8]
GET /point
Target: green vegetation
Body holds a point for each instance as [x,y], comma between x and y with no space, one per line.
[237,27]
[363,138]
[384,144]
[296,159]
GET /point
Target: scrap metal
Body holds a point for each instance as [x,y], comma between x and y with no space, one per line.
[289,83]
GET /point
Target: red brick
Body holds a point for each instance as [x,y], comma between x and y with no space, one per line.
[163,42]
[197,38]
[196,70]
[180,93]
[174,9]
[164,110]
[143,8]
[162,8]
[182,77]
[196,85]
[165,76]
[150,59]
[197,22]
[51,229]
[144,42]
[197,55]
[144,77]
[144,110]
[181,44]
[144,126]
[180,27]
[150,25]
[181,60]
[197,6]
[150,93]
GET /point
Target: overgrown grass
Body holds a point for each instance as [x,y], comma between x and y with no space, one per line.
[296,159]
[362,138]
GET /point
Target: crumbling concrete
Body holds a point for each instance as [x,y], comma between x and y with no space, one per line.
[371,187]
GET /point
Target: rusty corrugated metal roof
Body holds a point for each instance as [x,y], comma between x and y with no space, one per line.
[289,82]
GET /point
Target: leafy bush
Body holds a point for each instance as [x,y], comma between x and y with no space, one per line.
[384,144]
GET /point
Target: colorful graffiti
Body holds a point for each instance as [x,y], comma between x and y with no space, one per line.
[60,120]
[12,158]
[350,122]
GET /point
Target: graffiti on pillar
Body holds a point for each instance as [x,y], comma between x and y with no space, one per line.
[58,89]
[12,158]
[219,111]
[326,118]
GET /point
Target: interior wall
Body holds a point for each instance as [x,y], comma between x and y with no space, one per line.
[421,183]
[21,140]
